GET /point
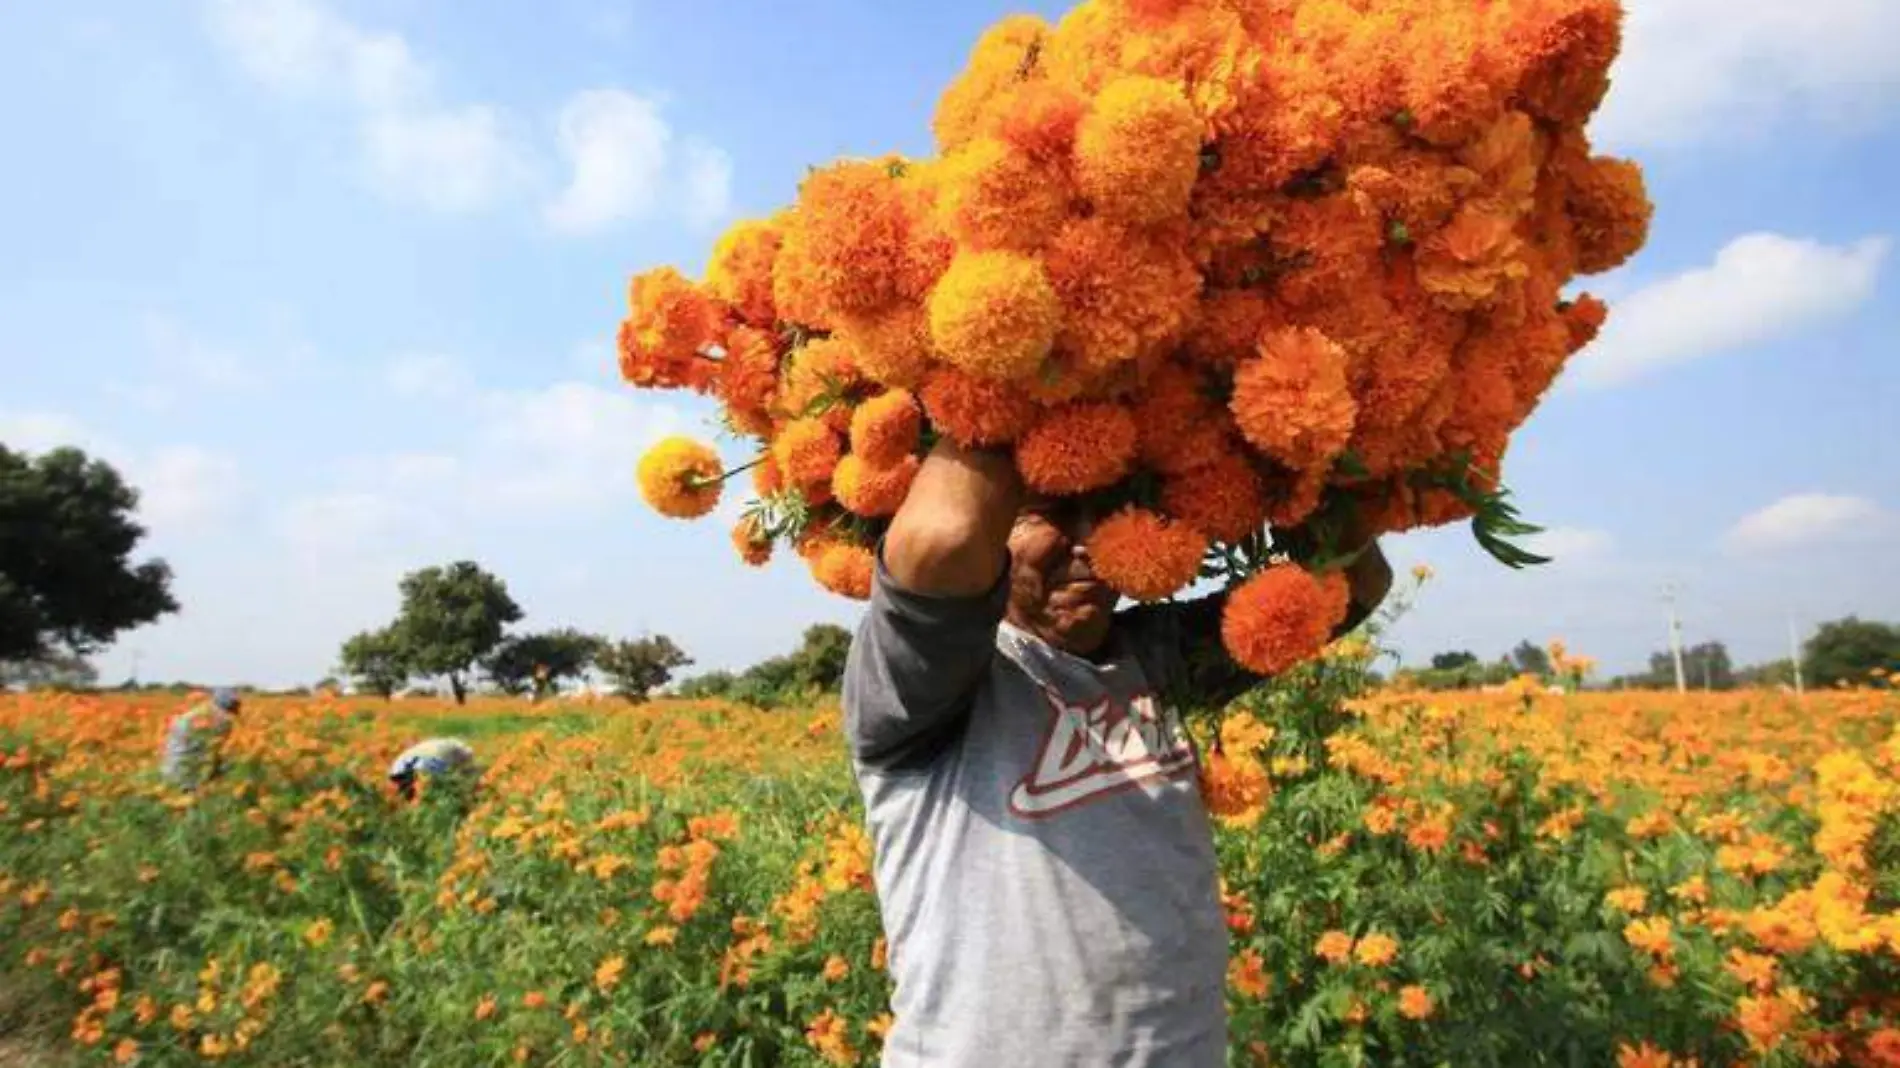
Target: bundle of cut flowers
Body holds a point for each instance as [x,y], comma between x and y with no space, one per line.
[1238,269]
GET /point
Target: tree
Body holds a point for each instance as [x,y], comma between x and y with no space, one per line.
[818,662]
[638,667]
[539,662]
[1453,661]
[1531,659]
[51,671]
[451,618]
[375,660]
[711,684]
[1773,673]
[1847,650]
[67,583]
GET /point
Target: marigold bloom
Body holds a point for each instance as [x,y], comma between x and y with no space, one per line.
[1145,556]
[1077,448]
[1281,616]
[807,451]
[846,244]
[1610,212]
[845,570]
[885,428]
[681,478]
[1334,947]
[1002,57]
[485,1007]
[1377,950]
[1652,935]
[1138,151]
[994,196]
[1234,787]
[836,968]
[661,936]
[1125,294]
[891,347]
[1630,899]
[749,538]
[994,314]
[1293,401]
[1415,1003]
[827,1033]
[872,492]
[672,321]
[1643,1056]
[748,377]
[607,976]
[740,271]
[1224,499]
[1247,974]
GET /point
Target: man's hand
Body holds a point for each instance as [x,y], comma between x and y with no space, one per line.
[951,537]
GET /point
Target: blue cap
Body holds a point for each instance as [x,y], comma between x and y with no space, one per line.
[225,698]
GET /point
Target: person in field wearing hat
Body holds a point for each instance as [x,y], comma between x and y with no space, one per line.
[434,758]
[1044,863]
[194,742]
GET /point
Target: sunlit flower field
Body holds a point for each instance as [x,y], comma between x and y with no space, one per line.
[1509,878]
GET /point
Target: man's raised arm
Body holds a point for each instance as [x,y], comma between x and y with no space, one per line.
[942,588]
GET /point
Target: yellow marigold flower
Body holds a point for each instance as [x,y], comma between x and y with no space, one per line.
[662,936]
[994,196]
[1630,899]
[1652,935]
[1754,970]
[891,347]
[681,478]
[1234,788]
[1246,974]
[1242,734]
[1377,950]
[995,315]
[1334,947]
[1415,1003]
[1138,151]
[1078,448]
[317,932]
[740,271]
[807,451]
[1145,556]
[846,244]
[607,975]
[1001,58]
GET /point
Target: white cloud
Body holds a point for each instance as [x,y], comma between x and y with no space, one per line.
[1702,70]
[182,489]
[344,522]
[426,374]
[1571,544]
[565,447]
[1760,287]
[38,432]
[708,183]
[415,149]
[616,146]
[1806,519]
[186,360]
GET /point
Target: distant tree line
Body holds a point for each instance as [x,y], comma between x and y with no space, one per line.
[815,667]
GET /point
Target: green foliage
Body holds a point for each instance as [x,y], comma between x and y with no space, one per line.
[375,661]
[1704,667]
[452,617]
[49,671]
[67,581]
[640,666]
[1847,651]
[816,667]
[1453,661]
[539,663]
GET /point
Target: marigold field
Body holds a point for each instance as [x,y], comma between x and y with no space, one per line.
[1512,878]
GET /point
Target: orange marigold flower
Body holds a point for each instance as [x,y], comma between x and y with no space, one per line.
[845,570]
[1146,556]
[872,492]
[1077,448]
[607,976]
[829,1035]
[1247,974]
[661,936]
[671,322]
[846,244]
[1281,616]
[1037,118]
[1610,211]
[125,1051]
[1415,1003]
[836,968]
[1643,1056]
[1334,947]
[740,271]
[1652,935]
[681,478]
[1138,151]
[890,347]
[1223,499]
[1234,788]
[1125,294]
[748,377]
[994,196]
[807,450]
[1468,263]
[1002,57]
[1293,401]
[533,999]
[750,539]
[1630,899]
[816,382]
[485,1007]
[1567,59]
[1377,950]
[994,314]
[1229,327]
[1182,428]
[1754,970]
[885,428]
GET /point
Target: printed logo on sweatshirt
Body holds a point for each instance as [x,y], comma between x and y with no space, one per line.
[1092,750]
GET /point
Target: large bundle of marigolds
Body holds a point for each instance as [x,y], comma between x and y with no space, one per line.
[1229,265]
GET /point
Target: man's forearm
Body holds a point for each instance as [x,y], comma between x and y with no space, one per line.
[1369,578]
[951,537]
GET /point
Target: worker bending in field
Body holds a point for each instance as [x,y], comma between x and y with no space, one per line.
[435,758]
[194,741]
[1044,863]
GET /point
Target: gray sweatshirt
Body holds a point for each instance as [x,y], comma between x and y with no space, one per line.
[1044,864]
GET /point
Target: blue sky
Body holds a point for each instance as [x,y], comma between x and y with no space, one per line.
[334,282]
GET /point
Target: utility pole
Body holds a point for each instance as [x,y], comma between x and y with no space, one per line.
[1675,637]
[1794,656]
